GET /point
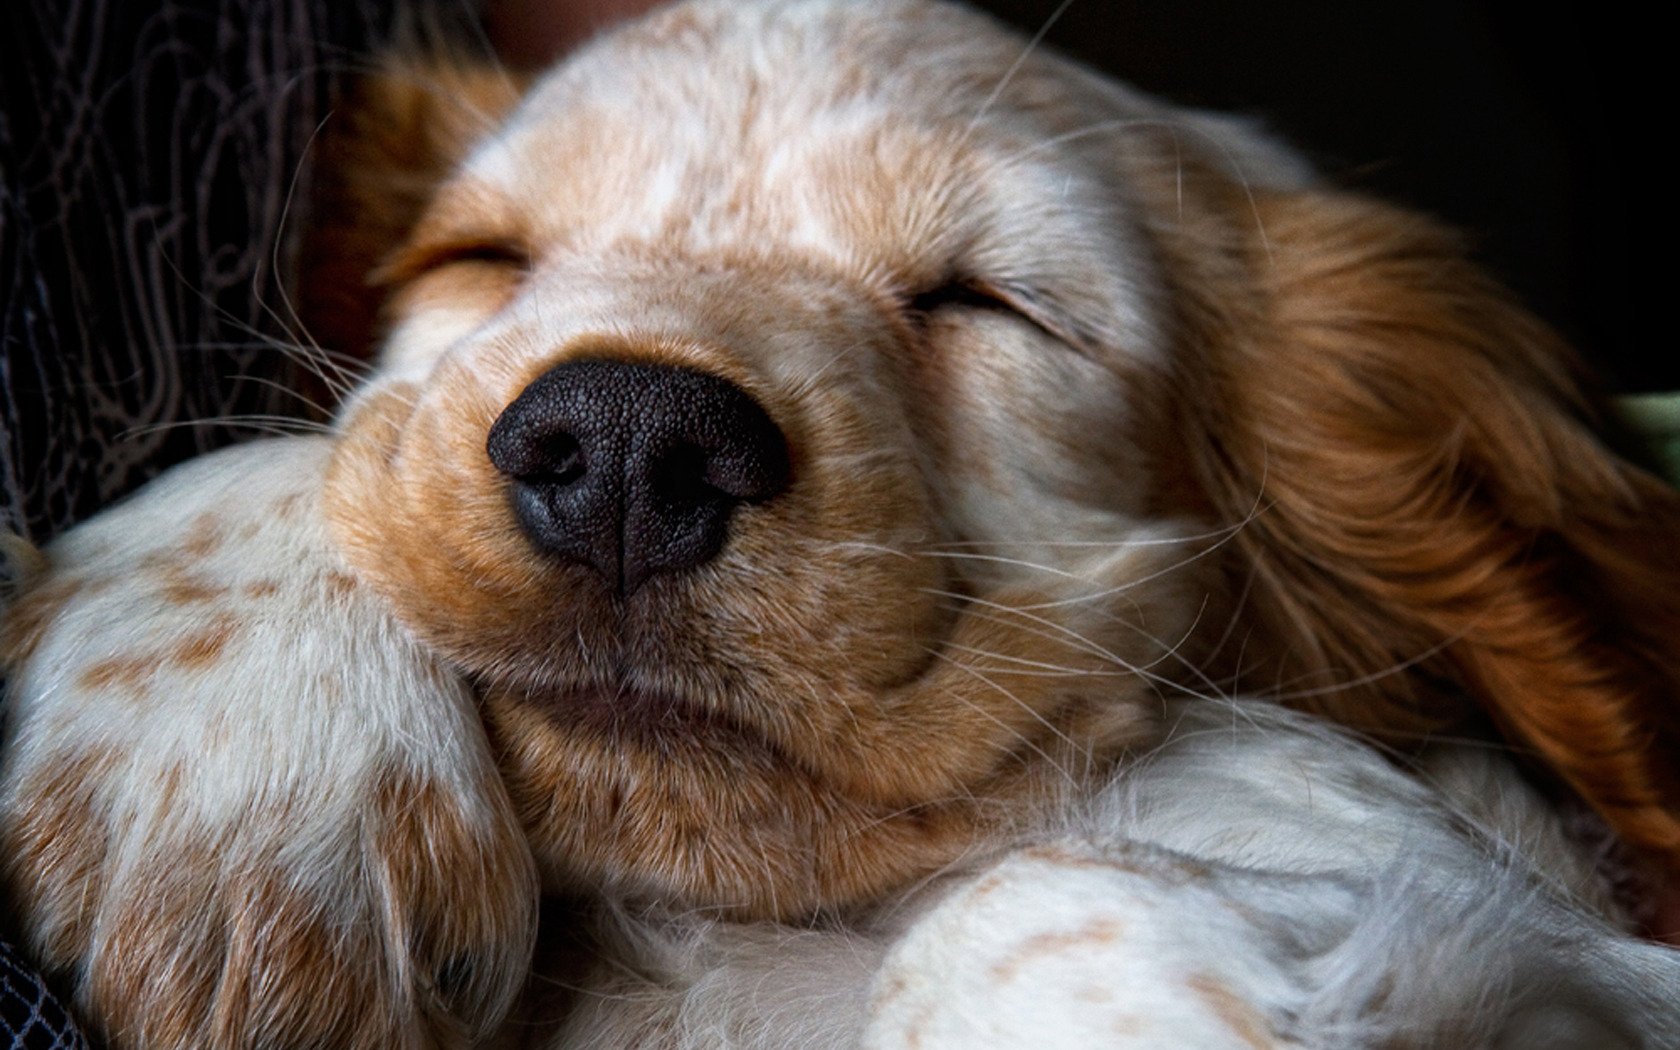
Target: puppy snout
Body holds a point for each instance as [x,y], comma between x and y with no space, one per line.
[635,469]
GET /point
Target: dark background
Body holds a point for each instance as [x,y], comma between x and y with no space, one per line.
[1487,114]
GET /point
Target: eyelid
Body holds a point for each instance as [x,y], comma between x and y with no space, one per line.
[983,294]
[417,260]
[967,293]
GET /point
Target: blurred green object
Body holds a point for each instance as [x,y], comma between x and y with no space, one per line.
[1656,419]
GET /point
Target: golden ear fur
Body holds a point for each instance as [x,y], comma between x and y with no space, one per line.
[1435,516]
[387,146]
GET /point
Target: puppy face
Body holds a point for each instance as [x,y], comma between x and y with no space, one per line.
[946,321]
[813,431]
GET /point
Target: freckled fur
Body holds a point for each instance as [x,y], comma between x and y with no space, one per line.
[203,865]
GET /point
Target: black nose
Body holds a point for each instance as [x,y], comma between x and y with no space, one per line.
[635,469]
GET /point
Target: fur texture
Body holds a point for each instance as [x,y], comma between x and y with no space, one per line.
[1097,412]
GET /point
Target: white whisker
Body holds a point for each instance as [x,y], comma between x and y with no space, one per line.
[1015,67]
[1025,742]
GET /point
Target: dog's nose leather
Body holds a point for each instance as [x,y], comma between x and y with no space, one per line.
[635,469]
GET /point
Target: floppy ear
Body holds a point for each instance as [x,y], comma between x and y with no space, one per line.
[1435,514]
[395,136]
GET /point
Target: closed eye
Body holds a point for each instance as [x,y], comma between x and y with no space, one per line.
[996,297]
[418,260]
[969,294]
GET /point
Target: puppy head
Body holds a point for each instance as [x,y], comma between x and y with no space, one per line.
[759,428]
[815,433]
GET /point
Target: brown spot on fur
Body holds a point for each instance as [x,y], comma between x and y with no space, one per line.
[1040,945]
[1239,1015]
[339,584]
[133,671]
[217,732]
[184,588]
[52,850]
[169,786]
[204,536]
[290,506]
[161,562]
[129,673]
[914,1031]
[891,989]
[1095,994]
[26,623]
[261,589]
[204,647]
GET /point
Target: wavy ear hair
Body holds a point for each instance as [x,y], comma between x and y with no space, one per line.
[1435,514]
[395,136]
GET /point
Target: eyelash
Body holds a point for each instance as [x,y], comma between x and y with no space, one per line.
[419,262]
[494,253]
[973,294]
[959,293]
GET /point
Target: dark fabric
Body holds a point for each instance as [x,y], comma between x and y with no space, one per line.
[30,1017]
[148,151]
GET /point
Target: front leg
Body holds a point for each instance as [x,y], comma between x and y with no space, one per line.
[239,805]
[1263,881]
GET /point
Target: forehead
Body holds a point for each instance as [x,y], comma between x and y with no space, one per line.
[769,74]
[891,138]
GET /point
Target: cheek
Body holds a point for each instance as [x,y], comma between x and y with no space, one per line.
[1031,442]
[417,509]
[439,312]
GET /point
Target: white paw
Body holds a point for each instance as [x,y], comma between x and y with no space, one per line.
[239,806]
[1077,946]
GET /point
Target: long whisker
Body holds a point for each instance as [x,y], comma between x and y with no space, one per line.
[1116,544]
[1024,706]
[312,359]
[1012,615]
[1129,585]
[264,424]
[1015,67]
[1042,668]
[323,360]
[289,391]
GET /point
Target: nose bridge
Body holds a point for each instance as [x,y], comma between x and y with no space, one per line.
[728,295]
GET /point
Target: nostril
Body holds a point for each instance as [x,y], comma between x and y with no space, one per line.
[681,475]
[562,462]
[535,450]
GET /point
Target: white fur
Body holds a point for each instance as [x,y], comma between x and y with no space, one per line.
[1260,880]
[267,756]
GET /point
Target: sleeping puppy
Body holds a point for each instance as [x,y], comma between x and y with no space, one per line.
[848,462]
